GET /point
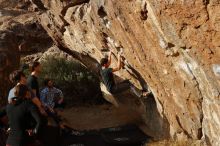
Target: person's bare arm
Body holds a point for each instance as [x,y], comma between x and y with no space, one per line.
[110,58]
[36,117]
[61,97]
[34,91]
[119,64]
[38,103]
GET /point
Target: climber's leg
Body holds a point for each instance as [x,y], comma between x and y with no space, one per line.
[121,87]
[126,85]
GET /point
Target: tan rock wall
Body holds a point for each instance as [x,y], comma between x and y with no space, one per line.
[171,45]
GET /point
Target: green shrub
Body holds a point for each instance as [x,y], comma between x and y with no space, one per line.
[78,84]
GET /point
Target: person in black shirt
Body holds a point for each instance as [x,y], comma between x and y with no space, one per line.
[33,78]
[108,78]
[18,112]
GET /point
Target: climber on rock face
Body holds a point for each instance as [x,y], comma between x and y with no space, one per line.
[108,79]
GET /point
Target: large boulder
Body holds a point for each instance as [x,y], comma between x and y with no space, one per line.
[172,46]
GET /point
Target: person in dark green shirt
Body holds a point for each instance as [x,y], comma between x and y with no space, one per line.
[108,78]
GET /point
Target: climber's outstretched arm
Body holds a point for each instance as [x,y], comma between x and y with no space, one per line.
[119,64]
[109,58]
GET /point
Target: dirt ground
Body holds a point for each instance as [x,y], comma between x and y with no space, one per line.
[93,117]
[99,116]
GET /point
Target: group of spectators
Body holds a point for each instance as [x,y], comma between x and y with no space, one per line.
[28,107]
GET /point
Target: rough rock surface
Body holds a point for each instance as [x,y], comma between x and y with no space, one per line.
[53,51]
[171,45]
